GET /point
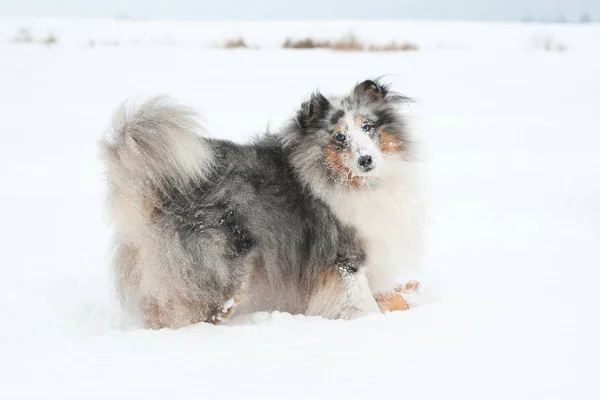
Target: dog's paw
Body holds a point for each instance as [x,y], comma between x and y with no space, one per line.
[409,287]
[223,313]
[391,302]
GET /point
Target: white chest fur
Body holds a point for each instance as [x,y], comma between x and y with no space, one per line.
[388,217]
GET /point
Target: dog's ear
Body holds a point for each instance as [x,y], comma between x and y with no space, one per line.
[371,90]
[313,111]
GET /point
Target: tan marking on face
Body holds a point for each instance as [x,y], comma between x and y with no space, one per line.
[335,162]
[339,128]
[391,302]
[389,143]
[360,120]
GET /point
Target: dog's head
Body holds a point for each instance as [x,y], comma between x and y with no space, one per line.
[349,137]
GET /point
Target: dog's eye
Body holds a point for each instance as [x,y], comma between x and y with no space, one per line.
[366,127]
[341,137]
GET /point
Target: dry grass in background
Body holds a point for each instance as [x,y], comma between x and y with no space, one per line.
[306,43]
[110,43]
[237,43]
[347,43]
[549,43]
[50,39]
[23,35]
[394,46]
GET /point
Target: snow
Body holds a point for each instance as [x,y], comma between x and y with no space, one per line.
[228,304]
[510,142]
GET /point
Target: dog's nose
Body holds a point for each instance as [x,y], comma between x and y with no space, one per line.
[366,162]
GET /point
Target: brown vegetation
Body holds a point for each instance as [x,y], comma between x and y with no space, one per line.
[346,43]
[23,36]
[394,46]
[237,43]
[306,43]
[50,39]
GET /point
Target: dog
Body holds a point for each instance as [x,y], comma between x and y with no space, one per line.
[319,219]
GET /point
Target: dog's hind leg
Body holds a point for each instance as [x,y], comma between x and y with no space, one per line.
[177,312]
[222,312]
[173,313]
[173,305]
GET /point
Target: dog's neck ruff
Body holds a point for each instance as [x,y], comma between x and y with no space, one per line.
[385,211]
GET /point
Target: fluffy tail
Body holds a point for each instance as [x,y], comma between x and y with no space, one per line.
[152,149]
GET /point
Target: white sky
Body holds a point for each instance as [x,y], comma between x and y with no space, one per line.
[305,9]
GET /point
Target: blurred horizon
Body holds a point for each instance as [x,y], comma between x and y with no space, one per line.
[468,10]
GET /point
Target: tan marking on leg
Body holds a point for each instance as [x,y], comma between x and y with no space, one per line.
[127,266]
[391,302]
[326,292]
[173,307]
[222,315]
[174,313]
[409,287]
[151,314]
[178,311]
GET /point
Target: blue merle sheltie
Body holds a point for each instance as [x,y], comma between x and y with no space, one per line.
[321,218]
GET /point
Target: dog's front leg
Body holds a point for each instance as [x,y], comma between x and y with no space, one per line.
[394,301]
[342,291]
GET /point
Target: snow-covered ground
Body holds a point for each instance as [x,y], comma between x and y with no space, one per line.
[511,145]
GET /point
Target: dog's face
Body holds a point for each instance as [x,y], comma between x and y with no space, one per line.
[353,134]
